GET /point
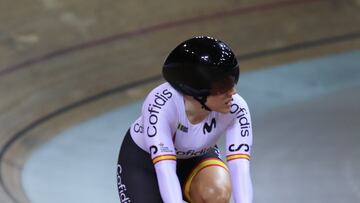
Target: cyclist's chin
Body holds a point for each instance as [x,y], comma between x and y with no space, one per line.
[225,109]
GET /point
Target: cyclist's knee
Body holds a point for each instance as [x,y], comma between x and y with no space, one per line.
[214,193]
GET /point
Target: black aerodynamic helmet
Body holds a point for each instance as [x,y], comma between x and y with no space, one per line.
[199,65]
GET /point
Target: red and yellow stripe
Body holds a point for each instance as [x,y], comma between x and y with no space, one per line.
[237,156]
[203,164]
[164,157]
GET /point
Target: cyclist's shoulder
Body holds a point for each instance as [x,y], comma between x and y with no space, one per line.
[163,90]
[162,97]
[238,100]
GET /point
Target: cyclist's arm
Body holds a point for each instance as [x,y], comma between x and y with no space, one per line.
[159,117]
[238,144]
[169,185]
[241,181]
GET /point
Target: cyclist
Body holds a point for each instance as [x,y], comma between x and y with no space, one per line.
[169,154]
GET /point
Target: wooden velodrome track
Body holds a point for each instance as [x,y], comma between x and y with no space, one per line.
[65,61]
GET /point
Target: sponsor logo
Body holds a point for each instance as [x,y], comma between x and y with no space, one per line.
[153,149]
[193,152]
[208,128]
[241,115]
[121,187]
[243,147]
[154,108]
[138,128]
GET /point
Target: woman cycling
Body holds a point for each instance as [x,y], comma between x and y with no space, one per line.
[170,153]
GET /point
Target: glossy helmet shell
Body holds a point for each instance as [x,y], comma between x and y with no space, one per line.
[196,64]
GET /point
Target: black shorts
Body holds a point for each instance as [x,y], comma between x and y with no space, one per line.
[136,176]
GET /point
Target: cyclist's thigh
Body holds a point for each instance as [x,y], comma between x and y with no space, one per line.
[136,175]
[188,169]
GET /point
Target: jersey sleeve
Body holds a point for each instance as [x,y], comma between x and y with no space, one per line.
[159,114]
[239,140]
[159,118]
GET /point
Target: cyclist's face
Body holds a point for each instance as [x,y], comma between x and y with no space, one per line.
[221,102]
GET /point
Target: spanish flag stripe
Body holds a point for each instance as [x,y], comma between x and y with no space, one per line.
[164,157]
[237,156]
[203,164]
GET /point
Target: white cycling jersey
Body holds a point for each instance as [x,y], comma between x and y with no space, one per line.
[164,131]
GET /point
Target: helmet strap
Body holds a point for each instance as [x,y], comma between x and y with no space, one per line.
[202,101]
